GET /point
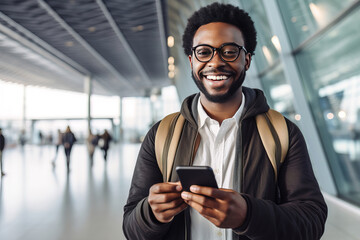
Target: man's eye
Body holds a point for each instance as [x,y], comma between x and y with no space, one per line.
[203,52]
[229,53]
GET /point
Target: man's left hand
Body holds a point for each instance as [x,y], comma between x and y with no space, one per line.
[225,208]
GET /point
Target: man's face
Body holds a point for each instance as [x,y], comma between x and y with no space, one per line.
[216,79]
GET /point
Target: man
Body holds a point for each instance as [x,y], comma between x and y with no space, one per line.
[249,204]
[68,140]
[2,146]
[105,139]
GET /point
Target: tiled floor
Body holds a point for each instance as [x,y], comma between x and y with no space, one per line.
[38,202]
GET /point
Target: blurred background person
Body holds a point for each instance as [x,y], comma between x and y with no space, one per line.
[2,146]
[104,142]
[22,138]
[41,137]
[68,141]
[91,143]
[57,145]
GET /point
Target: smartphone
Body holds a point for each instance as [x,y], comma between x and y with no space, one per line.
[196,175]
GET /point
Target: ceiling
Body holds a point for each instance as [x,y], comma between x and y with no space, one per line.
[119,44]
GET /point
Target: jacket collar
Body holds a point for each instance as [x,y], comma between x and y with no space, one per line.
[255,104]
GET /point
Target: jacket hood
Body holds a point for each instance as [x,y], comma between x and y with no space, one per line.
[255,103]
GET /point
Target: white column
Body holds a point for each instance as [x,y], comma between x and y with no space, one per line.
[88,91]
[24,109]
[121,119]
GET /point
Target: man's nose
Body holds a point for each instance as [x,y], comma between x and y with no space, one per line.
[216,60]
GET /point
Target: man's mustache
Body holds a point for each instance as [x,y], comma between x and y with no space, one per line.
[217,70]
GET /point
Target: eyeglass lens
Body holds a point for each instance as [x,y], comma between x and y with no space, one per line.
[227,52]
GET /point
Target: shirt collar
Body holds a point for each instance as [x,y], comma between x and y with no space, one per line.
[202,115]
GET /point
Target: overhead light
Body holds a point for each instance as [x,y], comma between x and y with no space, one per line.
[276,42]
[319,13]
[171,67]
[69,43]
[330,116]
[92,29]
[267,54]
[170,41]
[138,28]
[342,114]
[304,28]
[171,74]
[171,60]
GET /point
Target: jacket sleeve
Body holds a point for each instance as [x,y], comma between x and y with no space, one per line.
[302,212]
[139,221]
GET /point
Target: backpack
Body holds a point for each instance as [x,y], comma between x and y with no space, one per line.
[271,126]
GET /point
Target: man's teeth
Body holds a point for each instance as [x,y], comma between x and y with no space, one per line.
[216,77]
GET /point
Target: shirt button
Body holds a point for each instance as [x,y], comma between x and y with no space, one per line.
[219,233]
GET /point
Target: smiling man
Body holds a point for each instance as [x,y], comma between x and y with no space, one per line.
[251,203]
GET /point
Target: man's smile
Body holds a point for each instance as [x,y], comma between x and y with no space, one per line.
[217,77]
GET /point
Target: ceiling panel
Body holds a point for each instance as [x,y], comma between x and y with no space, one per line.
[119,44]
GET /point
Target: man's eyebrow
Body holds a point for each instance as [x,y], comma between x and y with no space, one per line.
[219,45]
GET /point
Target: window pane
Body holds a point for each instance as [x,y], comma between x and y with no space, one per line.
[304,18]
[330,69]
[279,93]
[266,53]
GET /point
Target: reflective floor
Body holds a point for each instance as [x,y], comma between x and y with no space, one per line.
[39,202]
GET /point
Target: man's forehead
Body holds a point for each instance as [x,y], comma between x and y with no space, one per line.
[218,33]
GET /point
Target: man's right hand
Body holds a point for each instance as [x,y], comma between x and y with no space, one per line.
[165,201]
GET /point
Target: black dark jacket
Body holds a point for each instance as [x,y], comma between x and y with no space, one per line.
[293,208]
[2,142]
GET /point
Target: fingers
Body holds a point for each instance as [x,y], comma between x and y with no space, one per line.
[164,193]
[202,204]
[163,198]
[165,188]
[222,194]
[223,207]
[168,215]
[162,207]
[165,201]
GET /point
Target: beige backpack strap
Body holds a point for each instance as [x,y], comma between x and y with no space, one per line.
[174,144]
[274,136]
[166,141]
[279,123]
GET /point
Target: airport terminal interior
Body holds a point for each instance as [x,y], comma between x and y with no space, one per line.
[118,67]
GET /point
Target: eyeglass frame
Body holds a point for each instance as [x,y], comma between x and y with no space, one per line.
[218,50]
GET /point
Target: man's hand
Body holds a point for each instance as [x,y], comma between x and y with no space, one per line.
[225,208]
[165,201]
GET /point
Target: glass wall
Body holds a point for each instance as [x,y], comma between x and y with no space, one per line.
[304,17]
[325,36]
[274,84]
[331,74]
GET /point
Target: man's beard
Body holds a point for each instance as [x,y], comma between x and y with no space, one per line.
[223,97]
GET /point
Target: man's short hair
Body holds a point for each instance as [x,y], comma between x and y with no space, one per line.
[218,12]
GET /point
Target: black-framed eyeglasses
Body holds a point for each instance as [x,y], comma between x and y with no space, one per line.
[228,52]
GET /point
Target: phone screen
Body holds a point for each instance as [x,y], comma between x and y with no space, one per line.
[196,175]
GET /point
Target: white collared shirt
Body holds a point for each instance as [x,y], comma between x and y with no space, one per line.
[217,150]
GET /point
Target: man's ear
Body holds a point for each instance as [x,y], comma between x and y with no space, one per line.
[190,60]
[247,61]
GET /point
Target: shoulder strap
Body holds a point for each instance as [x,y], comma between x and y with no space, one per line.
[166,142]
[274,136]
